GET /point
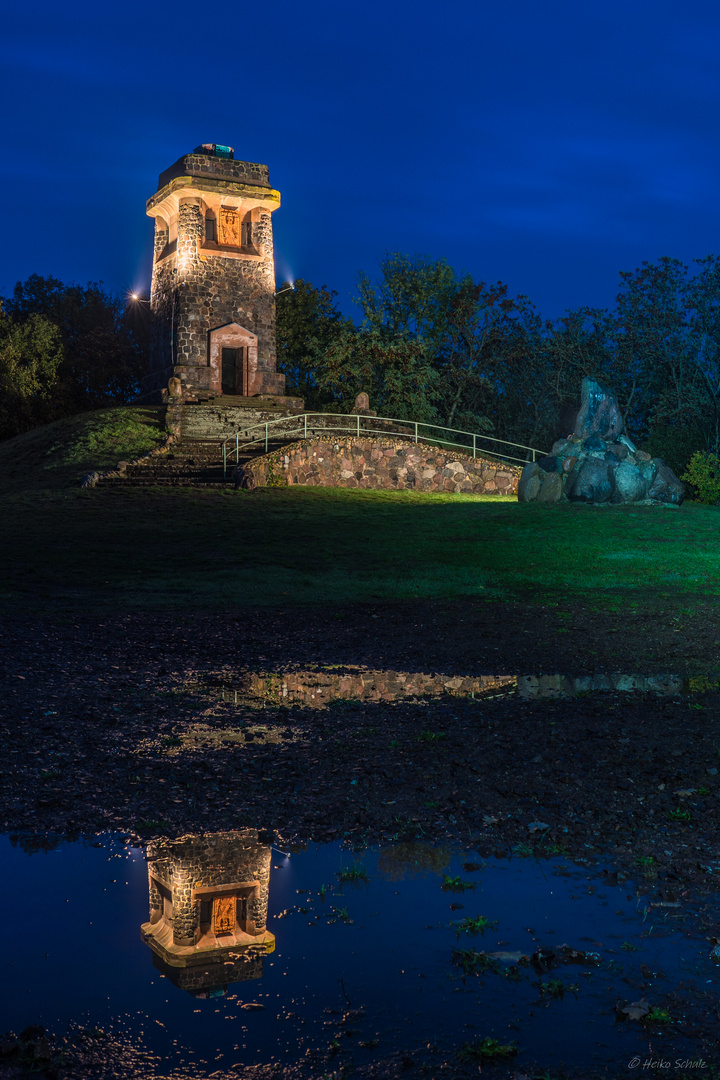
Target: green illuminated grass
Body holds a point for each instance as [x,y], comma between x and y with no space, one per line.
[205,548]
[216,549]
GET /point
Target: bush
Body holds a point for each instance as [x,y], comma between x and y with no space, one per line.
[703,476]
[675,444]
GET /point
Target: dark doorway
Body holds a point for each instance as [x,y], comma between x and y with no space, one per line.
[232,371]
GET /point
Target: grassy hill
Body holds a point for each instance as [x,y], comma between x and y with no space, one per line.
[55,456]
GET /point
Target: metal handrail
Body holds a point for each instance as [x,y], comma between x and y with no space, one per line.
[300,423]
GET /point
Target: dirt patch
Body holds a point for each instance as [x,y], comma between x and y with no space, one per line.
[102,729]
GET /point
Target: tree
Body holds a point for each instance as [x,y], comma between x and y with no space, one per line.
[396,373]
[482,321]
[703,302]
[465,329]
[105,345]
[308,322]
[30,358]
[410,300]
[652,346]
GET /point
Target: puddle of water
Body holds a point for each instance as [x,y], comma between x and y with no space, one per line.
[318,689]
[178,945]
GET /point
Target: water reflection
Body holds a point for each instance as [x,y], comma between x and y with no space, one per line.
[208,909]
[318,689]
[402,941]
[547,686]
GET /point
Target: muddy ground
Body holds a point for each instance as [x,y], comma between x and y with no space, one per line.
[119,723]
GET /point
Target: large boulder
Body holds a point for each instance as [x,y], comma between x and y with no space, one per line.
[598,463]
[592,481]
[551,490]
[629,483]
[599,413]
[530,482]
[665,486]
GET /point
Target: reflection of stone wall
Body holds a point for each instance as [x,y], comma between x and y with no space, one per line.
[382,462]
[211,979]
[208,905]
[543,686]
[317,688]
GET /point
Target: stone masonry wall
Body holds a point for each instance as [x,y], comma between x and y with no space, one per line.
[220,421]
[244,172]
[211,291]
[380,462]
[201,861]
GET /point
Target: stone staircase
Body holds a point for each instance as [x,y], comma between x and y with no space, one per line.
[190,463]
[196,459]
[220,418]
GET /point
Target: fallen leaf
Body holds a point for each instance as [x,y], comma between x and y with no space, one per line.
[637,1009]
[510,957]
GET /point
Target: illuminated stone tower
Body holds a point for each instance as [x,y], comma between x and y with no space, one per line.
[213,281]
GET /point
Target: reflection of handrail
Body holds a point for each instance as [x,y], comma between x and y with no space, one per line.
[409,429]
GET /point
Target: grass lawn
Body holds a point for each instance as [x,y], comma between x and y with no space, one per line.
[183,548]
[204,549]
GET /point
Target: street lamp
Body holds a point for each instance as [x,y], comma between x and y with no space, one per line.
[288,288]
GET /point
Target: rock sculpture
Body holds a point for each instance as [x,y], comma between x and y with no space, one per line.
[598,463]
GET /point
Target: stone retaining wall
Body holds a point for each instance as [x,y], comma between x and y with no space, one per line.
[380,462]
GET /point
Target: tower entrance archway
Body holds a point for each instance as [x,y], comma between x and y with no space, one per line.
[233,360]
[234,375]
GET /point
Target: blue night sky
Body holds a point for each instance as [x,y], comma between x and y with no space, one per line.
[549,145]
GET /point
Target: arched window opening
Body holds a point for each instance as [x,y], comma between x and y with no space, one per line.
[210,226]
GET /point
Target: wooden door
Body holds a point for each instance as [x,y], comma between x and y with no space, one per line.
[231,370]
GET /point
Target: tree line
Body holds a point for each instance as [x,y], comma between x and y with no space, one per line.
[437,346]
[65,349]
[432,345]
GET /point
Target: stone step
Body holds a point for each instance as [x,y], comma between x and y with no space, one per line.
[200,474]
[237,401]
[218,420]
[191,462]
[166,481]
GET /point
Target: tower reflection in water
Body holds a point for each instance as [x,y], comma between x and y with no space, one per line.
[208,909]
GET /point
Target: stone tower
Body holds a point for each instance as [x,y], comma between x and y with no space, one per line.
[213,281]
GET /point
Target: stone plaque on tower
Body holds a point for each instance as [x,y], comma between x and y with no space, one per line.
[229,228]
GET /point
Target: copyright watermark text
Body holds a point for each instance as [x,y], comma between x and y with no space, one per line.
[661,1063]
